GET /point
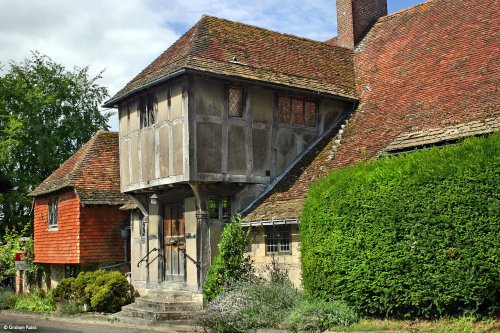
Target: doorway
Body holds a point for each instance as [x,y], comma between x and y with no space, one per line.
[174,242]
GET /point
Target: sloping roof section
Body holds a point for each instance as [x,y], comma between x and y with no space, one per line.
[422,70]
[235,49]
[412,140]
[93,172]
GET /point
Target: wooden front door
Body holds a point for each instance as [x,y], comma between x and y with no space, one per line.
[174,242]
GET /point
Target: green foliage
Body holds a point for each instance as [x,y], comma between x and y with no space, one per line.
[64,289]
[109,292]
[319,316]
[71,308]
[101,291]
[231,264]
[7,298]
[13,243]
[250,304]
[46,114]
[409,236]
[36,301]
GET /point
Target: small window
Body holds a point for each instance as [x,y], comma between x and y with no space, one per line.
[297,112]
[128,117]
[71,271]
[284,110]
[148,109]
[278,239]
[235,102]
[53,213]
[219,209]
[311,114]
[142,226]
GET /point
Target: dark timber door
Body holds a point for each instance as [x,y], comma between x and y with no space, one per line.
[174,241]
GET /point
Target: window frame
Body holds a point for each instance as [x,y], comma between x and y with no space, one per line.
[241,105]
[221,215]
[53,213]
[291,114]
[148,109]
[276,232]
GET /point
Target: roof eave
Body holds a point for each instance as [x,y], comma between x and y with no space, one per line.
[112,103]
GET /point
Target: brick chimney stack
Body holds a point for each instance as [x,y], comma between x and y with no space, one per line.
[355,18]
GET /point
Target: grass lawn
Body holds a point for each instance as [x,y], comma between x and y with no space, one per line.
[460,325]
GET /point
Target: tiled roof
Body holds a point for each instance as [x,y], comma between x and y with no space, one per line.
[429,67]
[436,135]
[93,172]
[235,49]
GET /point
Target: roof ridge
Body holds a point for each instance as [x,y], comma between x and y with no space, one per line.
[403,11]
[73,177]
[269,30]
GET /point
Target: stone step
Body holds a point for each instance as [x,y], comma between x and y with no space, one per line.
[161,305]
[149,325]
[174,295]
[132,310]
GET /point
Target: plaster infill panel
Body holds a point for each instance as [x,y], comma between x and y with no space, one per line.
[262,105]
[134,159]
[236,150]
[208,150]
[209,97]
[176,110]
[178,149]
[190,227]
[164,151]
[124,163]
[147,154]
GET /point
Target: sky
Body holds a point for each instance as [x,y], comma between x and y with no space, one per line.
[122,37]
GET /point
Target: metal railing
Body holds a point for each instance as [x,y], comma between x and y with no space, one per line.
[186,256]
[146,256]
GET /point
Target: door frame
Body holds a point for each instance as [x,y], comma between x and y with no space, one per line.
[163,266]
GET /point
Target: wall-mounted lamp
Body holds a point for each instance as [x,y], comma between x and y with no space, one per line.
[154,199]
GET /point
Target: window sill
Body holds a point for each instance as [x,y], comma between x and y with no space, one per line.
[53,229]
[269,254]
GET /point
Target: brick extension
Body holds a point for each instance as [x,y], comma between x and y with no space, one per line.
[87,187]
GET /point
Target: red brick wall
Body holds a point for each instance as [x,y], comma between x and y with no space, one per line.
[57,246]
[101,241]
[355,17]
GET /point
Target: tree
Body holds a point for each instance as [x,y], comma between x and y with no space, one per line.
[46,113]
[231,264]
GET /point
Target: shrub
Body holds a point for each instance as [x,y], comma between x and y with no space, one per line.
[36,301]
[100,291]
[318,316]
[109,292]
[64,289]
[231,264]
[250,304]
[71,308]
[7,298]
[408,236]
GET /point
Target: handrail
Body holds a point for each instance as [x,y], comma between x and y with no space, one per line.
[159,255]
[147,255]
[197,263]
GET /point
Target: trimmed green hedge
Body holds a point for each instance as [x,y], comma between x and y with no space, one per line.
[416,235]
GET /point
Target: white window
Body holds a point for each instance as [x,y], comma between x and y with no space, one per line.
[278,239]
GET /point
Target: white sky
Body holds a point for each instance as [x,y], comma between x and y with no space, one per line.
[124,36]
